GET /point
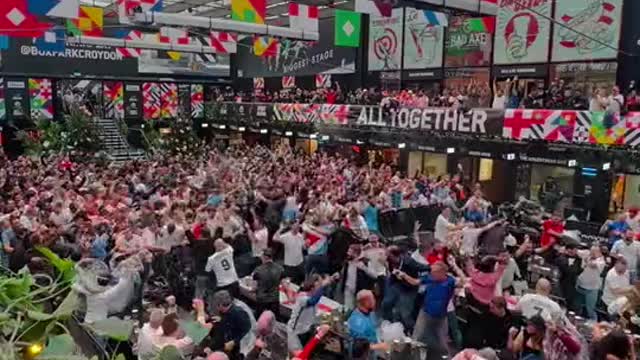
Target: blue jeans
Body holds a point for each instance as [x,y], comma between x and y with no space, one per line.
[588,298]
[398,303]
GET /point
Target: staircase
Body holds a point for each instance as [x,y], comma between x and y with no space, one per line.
[115,144]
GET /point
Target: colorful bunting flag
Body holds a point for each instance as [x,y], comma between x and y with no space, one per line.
[378,8]
[223,42]
[347,28]
[258,83]
[265,46]
[303,17]
[485,24]
[129,52]
[252,11]
[174,36]
[126,8]
[323,81]
[89,23]
[69,9]
[53,41]
[17,21]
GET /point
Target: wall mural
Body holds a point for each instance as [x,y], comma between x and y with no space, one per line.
[113,99]
[41,98]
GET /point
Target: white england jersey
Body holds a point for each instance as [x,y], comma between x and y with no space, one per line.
[221,263]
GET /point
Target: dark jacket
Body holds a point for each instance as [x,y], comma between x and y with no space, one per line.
[234,325]
[268,278]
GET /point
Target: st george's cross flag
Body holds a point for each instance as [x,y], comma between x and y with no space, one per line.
[303,17]
[17,21]
[69,9]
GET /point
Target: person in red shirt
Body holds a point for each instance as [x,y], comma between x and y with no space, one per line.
[439,252]
[552,230]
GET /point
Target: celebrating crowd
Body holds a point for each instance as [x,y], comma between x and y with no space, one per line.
[507,94]
[255,225]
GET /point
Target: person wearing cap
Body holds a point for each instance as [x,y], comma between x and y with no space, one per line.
[629,249]
[268,276]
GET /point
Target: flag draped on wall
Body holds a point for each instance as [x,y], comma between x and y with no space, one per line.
[17,21]
[90,22]
[374,7]
[129,52]
[288,82]
[303,17]
[69,9]
[197,101]
[41,96]
[347,28]
[223,42]
[174,36]
[253,11]
[323,81]
[113,99]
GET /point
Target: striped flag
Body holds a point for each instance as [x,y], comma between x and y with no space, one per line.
[204,41]
[224,42]
[174,36]
[258,83]
[288,82]
[265,46]
[303,17]
[323,81]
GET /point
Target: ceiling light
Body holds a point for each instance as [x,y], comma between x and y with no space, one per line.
[222,127]
[511,156]
[325,137]
[242,128]
[263,131]
[271,6]
[205,125]
[451,150]
[402,146]
[288,133]
[272,17]
[606,166]
[572,163]
[359,142]
[313,136]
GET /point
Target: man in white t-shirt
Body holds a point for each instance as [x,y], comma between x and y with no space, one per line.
[293,242]
[629,249]
[470,235]
[443,226]
[615,101]
[222,265]
[616,282]
[539,303]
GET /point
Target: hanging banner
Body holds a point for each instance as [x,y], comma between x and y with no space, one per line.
[298,58]
[17,99]
[41,99]
[113,99]
[464,46]
[184,99]
[197,101]
[591,30]
[385,42]
[523,32]
[132,102]
[422,41]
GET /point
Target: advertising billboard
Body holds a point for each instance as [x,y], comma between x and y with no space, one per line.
[385,42]
[591,30]
[464,47]
[523,32]
[422,41]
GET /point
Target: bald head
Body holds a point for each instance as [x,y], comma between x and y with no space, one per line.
[219,244]
[543,287]
[366,300]
[155,318]
[217,356]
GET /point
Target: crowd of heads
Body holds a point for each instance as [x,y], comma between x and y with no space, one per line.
[268,214]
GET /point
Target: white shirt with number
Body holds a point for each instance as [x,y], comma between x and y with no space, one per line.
[535,304]
[221,263]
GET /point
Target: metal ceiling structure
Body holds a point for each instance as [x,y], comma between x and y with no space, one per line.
[277,10]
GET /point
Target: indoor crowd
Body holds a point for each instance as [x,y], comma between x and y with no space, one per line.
[253,220]
[507,94]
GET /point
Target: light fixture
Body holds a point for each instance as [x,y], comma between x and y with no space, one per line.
[288,133]
[359,142]
[511,156]
[451,150]
[34,350]
[204,125]
[325,137]
[402,146]
[263,131]
[272,17]
[313,136]
[572,163]
[222,127]
[606,166]
[142,126]
[242,128]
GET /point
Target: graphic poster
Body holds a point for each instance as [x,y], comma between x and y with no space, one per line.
[523,32]
[197,101]
[422,41]
[385,42]
[41,98]
[464,47]
[599,19]
[132,101]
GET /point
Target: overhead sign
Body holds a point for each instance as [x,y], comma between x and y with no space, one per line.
[422,41]
[586,30]
[298,58]
[385,42]
[523,31]
[24,57]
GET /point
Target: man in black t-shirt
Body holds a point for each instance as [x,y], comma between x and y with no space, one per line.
[202,250]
